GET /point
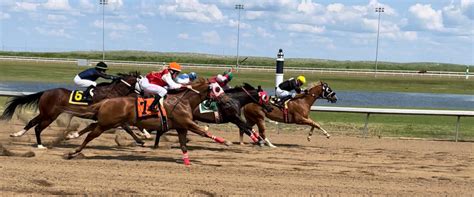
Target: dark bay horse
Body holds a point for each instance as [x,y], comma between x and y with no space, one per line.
[230,111]
[51,103]
[114,112]
[298,111]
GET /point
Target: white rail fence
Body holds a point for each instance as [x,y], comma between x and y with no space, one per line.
[367,111]
[370,111]
[406,73]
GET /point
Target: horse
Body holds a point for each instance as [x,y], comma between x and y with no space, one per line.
[231,111]
[113,112]
[52,102]
[298,111]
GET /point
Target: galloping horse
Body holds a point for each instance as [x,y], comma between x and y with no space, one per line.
[298,111]
[51,103]
[116,111]
[230,110]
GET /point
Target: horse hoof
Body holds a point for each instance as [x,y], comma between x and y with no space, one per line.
[227,143]
[241,143]
[41,147]
[328,136]
[309,139]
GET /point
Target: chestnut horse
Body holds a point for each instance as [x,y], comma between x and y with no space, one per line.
[230,111]
[52,102]
[298,111]
[114,112]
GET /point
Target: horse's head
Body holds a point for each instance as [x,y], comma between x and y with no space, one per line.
[322,90]
[207,89]
[128,80]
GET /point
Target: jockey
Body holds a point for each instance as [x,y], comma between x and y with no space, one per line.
[283,91]
[88,77]
[186,78]
[223,79]
[157,83]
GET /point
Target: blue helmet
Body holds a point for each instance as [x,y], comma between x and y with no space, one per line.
[192,76]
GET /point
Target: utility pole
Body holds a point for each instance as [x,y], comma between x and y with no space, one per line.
[103,3]
[379,10]
[238,7]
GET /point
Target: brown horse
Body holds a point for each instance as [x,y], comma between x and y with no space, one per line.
[116,111]
[298,111]
[51,103]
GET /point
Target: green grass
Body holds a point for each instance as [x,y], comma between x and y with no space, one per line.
[64,73]
[230,60]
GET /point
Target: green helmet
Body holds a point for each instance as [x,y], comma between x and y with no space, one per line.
[229,74]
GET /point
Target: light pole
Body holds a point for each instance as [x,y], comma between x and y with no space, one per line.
[238,7]
[103,3]
[379,10]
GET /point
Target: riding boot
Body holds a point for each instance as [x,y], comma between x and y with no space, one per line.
[87,94]
[282,100]
[155,102]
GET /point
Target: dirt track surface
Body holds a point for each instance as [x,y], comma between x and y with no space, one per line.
[340,165]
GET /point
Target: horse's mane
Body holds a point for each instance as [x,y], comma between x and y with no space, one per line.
[314,84]
[129,74]
[123,75]
[246,86]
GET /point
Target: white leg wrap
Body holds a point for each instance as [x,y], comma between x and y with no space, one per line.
[18,134]
[267,141]
[72,135]
[146,134]
[41,147]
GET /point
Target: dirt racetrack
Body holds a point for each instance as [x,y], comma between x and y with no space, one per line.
[338,166]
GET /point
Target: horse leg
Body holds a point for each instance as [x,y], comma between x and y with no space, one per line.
[193,127]
[314,125]
[145,133]
[130,132]
[69,120]
[39,128]
[30,124]
[243,127]
[261,130]
[159,133]
[92,135]
[77,134]
[182,133]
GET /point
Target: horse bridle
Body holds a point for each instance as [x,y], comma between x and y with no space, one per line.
[326,94]
[261,94]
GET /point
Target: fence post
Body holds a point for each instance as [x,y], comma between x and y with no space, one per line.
[366,129]
[457,129]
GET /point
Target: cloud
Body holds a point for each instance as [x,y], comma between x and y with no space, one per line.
[428,17]
[211,37]
[54,17]
[53,32]
[304,28]
[308,7]
[253,15]
[192,10]
[467,7]
[264,33]
[183,36]
[57,5]
[4,16]
[25,6]
[114,35]
[234,23]
[86,5]
[114,4]
[112,25]
[141,28]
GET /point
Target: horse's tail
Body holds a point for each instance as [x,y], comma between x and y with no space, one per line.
[31,100]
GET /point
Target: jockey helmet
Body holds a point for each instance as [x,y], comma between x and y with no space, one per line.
[192,76]
[229,74]
[175,66]
[101,66]
[302,79]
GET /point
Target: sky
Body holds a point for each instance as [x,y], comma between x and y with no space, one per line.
[410,30]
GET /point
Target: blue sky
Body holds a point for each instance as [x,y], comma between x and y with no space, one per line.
[410,30]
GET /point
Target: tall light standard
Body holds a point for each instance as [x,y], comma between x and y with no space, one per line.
[238,7]
[103,3]
[379,10]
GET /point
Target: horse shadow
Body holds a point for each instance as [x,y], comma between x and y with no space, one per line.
[132,158]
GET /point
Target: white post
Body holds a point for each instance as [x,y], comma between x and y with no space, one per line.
[467,71]
[279,68]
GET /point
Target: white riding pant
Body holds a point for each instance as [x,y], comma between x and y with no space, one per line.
[152,88]
[283,93]
[83,82]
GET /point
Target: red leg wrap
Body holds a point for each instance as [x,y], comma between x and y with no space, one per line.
[186,159]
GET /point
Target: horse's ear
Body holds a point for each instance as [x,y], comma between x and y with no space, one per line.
[259,88]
